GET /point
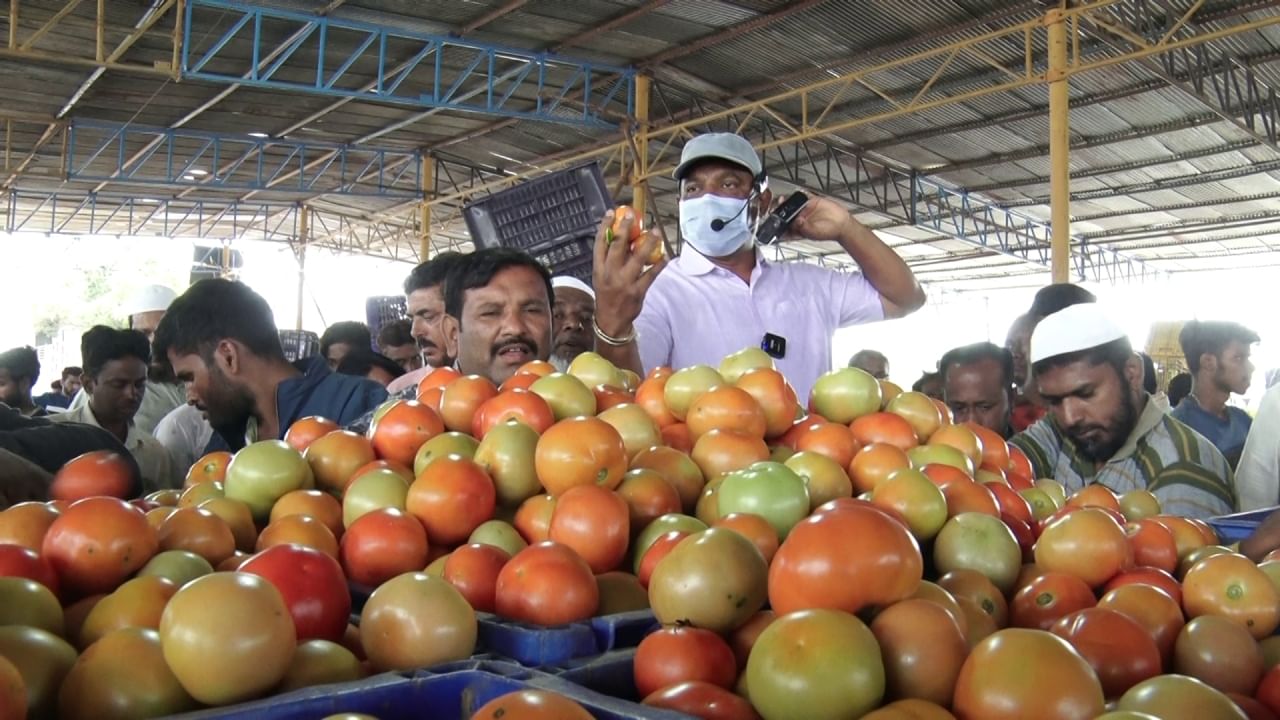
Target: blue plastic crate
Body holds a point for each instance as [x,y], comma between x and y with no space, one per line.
[546,646]
[1237,527]
[449,692]
[611,674]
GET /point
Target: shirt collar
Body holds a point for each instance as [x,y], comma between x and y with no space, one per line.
[1152,415]
[133,437]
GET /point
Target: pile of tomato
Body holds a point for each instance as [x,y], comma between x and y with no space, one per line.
[856,556]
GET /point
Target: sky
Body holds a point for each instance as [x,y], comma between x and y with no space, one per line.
[337,287]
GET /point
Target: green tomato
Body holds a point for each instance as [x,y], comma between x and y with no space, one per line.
[263,472]
[768,489]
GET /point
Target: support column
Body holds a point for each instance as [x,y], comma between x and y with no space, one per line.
[427,172]
[640,168]
[1059,144]
[304,237]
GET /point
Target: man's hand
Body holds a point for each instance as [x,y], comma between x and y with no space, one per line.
[619,276]
[1263,540]
[21,480]
[822,219]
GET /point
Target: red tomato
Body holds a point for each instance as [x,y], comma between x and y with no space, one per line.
[1153,545]
[98,542]
[680,654]
[382,544]
[547,584]
[473,570]
[522,405]
[656,551]
[1158,579]
[594,522]
[703,700]
[1048,598]
[451,498]
[402,429]
[1120,650]
[1010,502]
[847,558]
[307,430]
[1268,692]
[1088,543]
[18,561]
[92,474]
[312,585]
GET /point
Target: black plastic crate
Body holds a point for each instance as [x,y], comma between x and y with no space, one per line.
[553,218]
[299,344]
[383,310]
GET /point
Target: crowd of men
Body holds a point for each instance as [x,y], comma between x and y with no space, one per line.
[205,370]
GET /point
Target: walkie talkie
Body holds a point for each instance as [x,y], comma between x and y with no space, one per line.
[773,226]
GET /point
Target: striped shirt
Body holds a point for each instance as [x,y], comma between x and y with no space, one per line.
[1182,468]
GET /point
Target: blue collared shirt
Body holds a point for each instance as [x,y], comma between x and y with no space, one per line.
[1227,435]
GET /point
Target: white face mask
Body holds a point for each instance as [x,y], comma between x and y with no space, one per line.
[697,216]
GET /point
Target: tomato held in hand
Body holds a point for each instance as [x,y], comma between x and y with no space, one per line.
[312,585]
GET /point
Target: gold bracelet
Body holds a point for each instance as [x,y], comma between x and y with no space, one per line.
[610,340]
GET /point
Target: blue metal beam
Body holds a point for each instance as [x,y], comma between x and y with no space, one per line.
[336,57]
[100,151]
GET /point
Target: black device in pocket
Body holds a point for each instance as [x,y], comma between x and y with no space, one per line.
[777,222]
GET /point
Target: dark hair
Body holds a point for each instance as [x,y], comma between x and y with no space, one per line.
[72,370]
[477,270]
[970,354]
[864,355]
[214,310]
[432,272]
[1199,338]
[1115,353]
[360,361]
[1179,388]
[21,362]
[918,386]
[1148,374]
[350,332]
[1052,298]
[101,344]
[396,333]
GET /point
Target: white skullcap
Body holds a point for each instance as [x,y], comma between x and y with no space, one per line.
[150,299]
[566,281]
[1072,329]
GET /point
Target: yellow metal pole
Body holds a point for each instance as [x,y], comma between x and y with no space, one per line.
[428,175]
[13,23]
[1059,142]
[304,236]
[640,168]
[175,65]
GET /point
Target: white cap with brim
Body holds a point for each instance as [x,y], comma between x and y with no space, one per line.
[151,298]
[1072,329]
[567,281]
[722,146]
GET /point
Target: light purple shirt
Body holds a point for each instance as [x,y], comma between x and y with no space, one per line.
[697,312]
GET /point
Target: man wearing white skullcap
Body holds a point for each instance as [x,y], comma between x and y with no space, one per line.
[571,314]
[146,308]
[1103,428]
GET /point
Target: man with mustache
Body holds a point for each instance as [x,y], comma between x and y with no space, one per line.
[115,375]
[435,332]
[501,299]
[1102,427]
[572,313]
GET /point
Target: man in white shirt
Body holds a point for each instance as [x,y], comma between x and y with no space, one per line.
[1258,475]
[115,374]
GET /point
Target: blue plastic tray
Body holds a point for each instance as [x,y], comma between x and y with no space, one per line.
[1237,527]
[543,646]
[449,692]
[611,674]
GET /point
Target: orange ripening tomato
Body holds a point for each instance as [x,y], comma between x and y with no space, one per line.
[547,584]
[210,468]
[382,544]
[594,522]
[1233,587]
[1087,543]
[831,439]
[96,543]
[580,451]
[462,398]
[437,379]
[451,498]
[884,427]
[26,523]
[726,408]
[651,395]
[1153,545]
[403,429]
[1049,598]
[306,430]
[634,234]
[775,396]
[92,474]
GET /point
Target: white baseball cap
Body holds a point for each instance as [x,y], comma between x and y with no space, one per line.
[1072,329]
[150,299]
[568,281]
[723,146]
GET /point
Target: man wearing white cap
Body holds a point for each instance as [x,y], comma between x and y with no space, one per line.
[1102,427]
[143,311]
[721,295]
[572,313]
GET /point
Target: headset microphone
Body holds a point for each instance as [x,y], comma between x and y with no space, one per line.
[718,224]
